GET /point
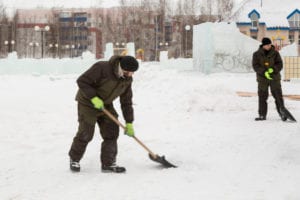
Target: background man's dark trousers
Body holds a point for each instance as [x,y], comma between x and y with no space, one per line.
[263,94]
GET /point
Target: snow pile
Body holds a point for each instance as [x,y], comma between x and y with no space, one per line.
[130,49]
[87,55]
[12,56]
[109,51]
[13,65]
[179,63]
[290,50]
[221,47]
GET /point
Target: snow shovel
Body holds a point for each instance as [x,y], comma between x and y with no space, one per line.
[152,156]
[285,114]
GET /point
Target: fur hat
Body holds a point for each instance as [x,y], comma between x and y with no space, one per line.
[129,63]
[266,41]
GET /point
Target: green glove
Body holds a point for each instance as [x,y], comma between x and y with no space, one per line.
[270,70]
[97,102]
[129,130]
[268,73]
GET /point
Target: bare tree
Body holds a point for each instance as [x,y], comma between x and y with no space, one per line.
[126,14]
[14,23]
[224,9]
[21,38]
[141,21]
[52,36]
[206,10]
[152,27]
[4,30]
[3,16]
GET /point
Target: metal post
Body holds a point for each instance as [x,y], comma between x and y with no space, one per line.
[56,50]
[12,45]
[185,43]
[42,32]
[6,48]
[187,28]
[155,38]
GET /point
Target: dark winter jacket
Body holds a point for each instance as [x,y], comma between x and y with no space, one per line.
[102,80]
[262,60]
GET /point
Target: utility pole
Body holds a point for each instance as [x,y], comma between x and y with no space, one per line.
[156,29]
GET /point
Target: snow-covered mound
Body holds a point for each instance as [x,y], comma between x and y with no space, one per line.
[290,50]
[13,65]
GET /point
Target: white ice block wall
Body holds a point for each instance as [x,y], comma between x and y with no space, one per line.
[222,47]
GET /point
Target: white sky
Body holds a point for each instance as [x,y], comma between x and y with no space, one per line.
[64,3]
[51,3]
[15,4]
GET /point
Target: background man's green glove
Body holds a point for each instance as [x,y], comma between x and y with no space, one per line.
[270,70]
[268,73]
[97,102]
[129,129]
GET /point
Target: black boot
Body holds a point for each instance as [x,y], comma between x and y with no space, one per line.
[74,166]
[260,118]
[113,168]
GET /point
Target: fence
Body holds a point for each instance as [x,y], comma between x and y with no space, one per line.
[291,67]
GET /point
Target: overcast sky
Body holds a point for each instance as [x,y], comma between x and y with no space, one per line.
[64,3]
[52,3]
[14,4]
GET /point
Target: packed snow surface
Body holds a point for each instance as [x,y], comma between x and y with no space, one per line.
[197,121]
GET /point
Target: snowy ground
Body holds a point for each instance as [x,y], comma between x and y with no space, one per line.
[196,120]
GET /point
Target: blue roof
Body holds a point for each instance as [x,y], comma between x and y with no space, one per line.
[253,30]
[278,28]
[294,12]
[248,23]
[254,12]
[243,23]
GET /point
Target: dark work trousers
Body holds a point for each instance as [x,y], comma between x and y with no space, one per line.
[263,94]
[109,130]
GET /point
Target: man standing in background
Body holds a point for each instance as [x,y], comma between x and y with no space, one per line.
[267,64]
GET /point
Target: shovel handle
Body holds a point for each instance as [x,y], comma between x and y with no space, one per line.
[113,118]
[121,125]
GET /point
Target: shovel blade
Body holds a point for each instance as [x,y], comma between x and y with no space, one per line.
[162,160]
[285,113]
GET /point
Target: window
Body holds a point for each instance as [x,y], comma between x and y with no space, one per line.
[299,40]
[294,21]
[254,17]
[291,38]
[65,14]
[254,24]
[297,20]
